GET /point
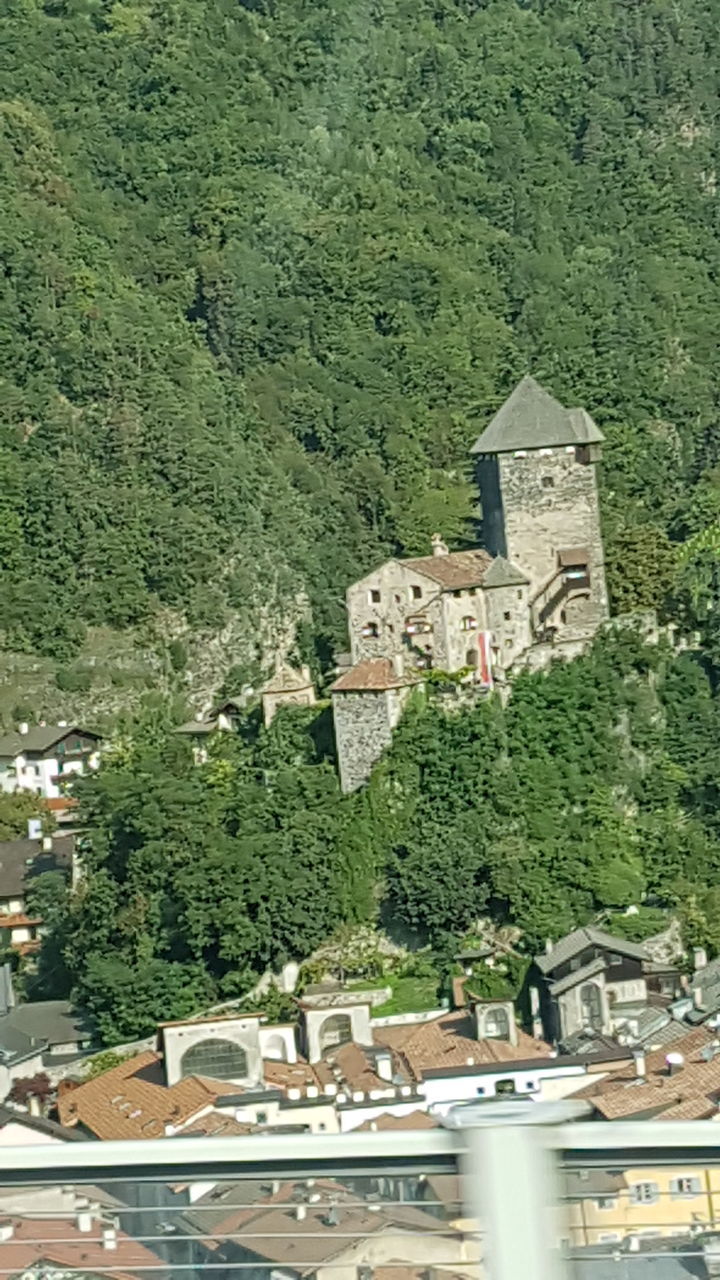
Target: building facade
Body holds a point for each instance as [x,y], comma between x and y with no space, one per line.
[536,589]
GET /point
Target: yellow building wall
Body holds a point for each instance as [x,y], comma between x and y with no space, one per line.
[668,1215]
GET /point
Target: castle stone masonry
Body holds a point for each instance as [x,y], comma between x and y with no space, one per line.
[536,588]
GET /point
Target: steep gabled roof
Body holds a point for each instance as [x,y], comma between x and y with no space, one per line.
[40,738]
[577,941]
[531,418]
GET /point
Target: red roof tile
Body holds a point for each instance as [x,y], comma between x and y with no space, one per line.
[59,1242]
[371,675]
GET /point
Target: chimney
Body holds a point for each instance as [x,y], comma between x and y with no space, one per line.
[699,958]
[109,1238]
[7,1230]
[300,1212]
[640,1064]
[84,1218]
[697,996]
[23,728]
[47,844]
[674,1063]
[398,664]
[548,946]
[34,828]
[439,548]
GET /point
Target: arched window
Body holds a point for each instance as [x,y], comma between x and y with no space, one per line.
[334,1031]
[220,1059]
[468,623]
[591,1002]
[497,1024]
[471,658]
[275,1048]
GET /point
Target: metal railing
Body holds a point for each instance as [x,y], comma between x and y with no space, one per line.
[502,1201]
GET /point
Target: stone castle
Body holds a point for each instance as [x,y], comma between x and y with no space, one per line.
[536,589]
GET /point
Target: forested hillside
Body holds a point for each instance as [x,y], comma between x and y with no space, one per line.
[595,788]
[267,268]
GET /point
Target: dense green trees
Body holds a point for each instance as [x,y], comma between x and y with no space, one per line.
[593,789]
[267,268]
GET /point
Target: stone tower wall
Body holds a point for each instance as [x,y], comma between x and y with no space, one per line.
[549,504]
[364,721]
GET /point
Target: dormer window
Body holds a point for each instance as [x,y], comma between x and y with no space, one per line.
[370,631]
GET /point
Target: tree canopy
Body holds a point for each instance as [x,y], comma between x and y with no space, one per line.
[268,267]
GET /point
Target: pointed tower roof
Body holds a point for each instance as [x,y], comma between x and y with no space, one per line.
[531,418]
[503,573]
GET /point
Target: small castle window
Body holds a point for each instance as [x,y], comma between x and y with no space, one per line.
[507,615]
[468,623]
[547,482]
[370,630]
[519,595]
[415,593]
[374,596]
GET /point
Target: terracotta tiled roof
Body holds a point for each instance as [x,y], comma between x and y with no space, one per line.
[386,1121]
[59,1242]
[289,1075]
[686,1095]
[448,1041]
[278,1234]
[372,674]
[131,1100]
[455,570]
[217,1125]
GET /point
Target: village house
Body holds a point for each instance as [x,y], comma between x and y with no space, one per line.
[20,862]
[36,1036]
[590,981]
[44,759]
[324,1231]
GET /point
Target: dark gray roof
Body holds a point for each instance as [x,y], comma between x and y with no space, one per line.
[22,860]
[531,418]
[615,1262]
[579,939]
[579,975]
[29,1028]
[40,738]
[50,1128]
[502,573]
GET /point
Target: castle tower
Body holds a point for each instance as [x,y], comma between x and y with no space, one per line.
[367,703]
[537,475]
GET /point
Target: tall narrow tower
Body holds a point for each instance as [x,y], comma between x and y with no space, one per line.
[540,505]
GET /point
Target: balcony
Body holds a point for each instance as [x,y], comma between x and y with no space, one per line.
[502,1199]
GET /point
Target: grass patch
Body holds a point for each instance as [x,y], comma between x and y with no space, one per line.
[409,995]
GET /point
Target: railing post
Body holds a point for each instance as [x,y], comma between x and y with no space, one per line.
[512,1186]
